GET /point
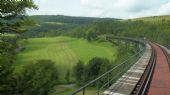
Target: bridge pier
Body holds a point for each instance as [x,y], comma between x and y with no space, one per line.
[127,44]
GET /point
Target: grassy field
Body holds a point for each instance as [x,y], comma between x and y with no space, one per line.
[64,51]
[62,90]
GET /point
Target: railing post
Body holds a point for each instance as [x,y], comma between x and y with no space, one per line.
[84,91]
[108,80]
[98,87]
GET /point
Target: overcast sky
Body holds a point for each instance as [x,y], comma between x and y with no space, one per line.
[103,8]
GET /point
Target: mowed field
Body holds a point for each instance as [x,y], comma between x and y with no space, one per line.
[63,51]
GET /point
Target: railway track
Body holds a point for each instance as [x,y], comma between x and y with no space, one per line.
[153,80]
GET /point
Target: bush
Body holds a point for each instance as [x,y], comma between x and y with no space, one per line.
[36,79]
[78,71]
[96,67]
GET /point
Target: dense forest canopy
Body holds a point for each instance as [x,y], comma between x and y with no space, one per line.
[59,24]
[65,19]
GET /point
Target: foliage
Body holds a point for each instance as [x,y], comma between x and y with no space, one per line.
[5,71]
[79,70]
[36,79]
[64,19]
[7,56]
[12,14]
[96,67]
[12,19]
[67,76]
[91,35]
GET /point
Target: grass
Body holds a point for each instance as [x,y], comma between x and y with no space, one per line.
[60,90]
[63,51]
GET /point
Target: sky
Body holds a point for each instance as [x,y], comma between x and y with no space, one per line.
[102,8]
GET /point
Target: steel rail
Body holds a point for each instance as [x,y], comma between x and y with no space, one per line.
[142,86]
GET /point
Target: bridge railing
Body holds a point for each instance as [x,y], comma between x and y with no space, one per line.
[168,46]
[104,81]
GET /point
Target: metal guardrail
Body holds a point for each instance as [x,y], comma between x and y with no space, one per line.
[137,41]
[108,78]
[167,55]
[168,46]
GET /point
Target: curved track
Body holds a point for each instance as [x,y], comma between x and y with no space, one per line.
[156,78]
[160,84]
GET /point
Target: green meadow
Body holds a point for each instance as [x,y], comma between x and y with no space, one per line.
[63,51]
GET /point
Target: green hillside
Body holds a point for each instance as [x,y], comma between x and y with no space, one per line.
[155,18]
[64,51]
[58,24]
[63,19]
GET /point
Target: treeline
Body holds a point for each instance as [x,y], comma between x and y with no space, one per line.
[158,32]
[63,19]
[90,28]
[54,25]
[48,29]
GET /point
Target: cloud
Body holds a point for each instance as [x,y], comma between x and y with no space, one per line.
[126,8]
[103,8]
[164,9]
[94,4]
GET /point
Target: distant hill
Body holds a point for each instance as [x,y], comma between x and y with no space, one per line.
[155,18]
[58,24]
[155,28]
[65,19]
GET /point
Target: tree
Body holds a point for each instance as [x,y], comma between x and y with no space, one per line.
[105,66]
[67,76]
[91,35]
[12,14]
[36,79]
[78,71]
[7,57]
[5,71]
[94,68]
